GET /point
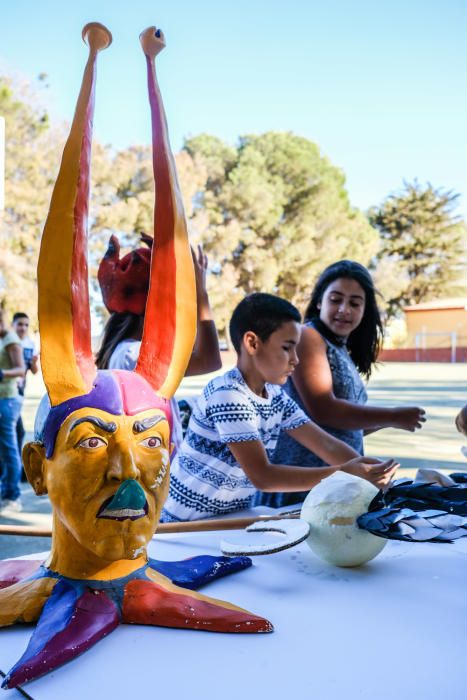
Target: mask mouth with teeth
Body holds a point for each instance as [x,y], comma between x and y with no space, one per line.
[128,503]
[102,438]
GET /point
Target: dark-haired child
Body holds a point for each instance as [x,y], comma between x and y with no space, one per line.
[236,422]
[340,341]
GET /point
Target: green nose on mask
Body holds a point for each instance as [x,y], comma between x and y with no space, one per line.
[128,503]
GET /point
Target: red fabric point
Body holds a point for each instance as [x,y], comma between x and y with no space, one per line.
[147,603]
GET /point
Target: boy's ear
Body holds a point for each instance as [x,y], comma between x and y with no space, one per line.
[250,342]
[33,459]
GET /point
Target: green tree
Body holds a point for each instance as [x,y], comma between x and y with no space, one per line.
[122,195]
[272,213]
[31,163]
[423,246]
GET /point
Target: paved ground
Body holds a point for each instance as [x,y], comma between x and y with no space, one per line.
[440,388]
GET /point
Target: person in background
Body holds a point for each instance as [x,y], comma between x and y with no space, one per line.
[11,368]
[124,284]
[339,346]
[461,421]
[233,431]
[20,325]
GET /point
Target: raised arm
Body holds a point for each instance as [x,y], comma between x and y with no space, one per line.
[206,355]
[313,380]
[34,363]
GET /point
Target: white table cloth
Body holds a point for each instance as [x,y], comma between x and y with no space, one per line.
[393,629]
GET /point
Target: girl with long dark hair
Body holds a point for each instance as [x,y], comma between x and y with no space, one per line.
[341,338]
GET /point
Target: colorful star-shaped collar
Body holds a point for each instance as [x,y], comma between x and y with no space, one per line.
[72,615]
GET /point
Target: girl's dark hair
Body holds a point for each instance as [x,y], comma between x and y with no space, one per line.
[120,326]
[261,313]
[365,342]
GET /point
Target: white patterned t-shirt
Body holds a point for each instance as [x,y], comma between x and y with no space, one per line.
[205,479]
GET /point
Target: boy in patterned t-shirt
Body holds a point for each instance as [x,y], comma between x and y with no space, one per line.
[235,424]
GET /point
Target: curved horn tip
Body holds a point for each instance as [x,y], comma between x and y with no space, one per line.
[113,248]
[146,239]
[96,36]
[152,40]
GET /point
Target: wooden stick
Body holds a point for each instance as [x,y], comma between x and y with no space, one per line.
[25,530]
[217,524]
[163,528]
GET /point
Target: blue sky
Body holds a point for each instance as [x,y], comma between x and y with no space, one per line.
[380,86]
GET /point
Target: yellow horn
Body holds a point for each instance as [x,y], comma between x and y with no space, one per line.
[170,318]
[64,318]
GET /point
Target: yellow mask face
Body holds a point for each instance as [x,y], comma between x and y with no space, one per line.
[108,479]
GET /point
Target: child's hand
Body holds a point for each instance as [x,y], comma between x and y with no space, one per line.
[408,418]
[379,473]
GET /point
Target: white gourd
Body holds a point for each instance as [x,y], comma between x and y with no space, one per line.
[331,509]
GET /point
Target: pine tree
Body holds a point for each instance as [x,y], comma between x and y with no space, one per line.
[423,240]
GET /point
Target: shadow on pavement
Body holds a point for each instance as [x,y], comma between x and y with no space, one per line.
[37,512]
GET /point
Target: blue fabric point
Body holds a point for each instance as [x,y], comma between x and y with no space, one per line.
[197,571]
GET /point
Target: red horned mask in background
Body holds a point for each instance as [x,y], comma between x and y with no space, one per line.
[124,282]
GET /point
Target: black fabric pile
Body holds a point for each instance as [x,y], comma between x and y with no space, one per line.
[414,511]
